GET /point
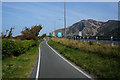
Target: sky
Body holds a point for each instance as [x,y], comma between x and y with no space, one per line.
[60,0]
[51,14]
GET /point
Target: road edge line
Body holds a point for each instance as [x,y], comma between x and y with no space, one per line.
[38,67]
[70,62]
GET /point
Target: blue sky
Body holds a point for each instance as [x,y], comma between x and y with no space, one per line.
[50,14]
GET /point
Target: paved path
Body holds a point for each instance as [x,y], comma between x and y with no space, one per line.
[53,66]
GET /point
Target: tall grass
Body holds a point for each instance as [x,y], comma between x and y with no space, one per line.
[102,49]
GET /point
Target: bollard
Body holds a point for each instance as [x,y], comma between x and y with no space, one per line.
[87,39]
[112,44]
[84,39]
[96,39]
[80,37]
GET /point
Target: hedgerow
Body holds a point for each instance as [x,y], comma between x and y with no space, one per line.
[15,48]
[8,47]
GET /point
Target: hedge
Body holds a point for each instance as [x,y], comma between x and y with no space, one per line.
[15,48]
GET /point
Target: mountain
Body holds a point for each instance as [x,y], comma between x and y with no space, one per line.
[111,27]
[93,28]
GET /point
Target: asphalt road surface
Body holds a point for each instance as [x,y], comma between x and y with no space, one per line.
[51,65]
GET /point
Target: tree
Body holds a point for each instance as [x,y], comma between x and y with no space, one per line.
[9,35]
[6,31]
[3,36]
[43,35]
[10,32]
[31,33]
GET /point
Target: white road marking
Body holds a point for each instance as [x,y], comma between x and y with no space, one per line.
[70,63]
[38,67]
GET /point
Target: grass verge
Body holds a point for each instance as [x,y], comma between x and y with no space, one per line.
[103,67]
[21,66]
[0,58]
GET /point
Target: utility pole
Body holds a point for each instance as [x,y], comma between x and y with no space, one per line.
[65,17]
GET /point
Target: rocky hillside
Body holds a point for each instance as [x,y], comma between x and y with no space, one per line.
[92,27]
[110,27]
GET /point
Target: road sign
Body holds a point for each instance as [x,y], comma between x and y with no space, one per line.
[80,33]
[50,34]
[59,34]
[53,34]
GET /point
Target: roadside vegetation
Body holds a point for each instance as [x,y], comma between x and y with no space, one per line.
[0,45]
[0,58]
[20,66]
[99,59]
[99,48]
[20,53]
[15,48]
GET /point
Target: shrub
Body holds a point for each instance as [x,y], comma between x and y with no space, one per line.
[15,48]
[23,46]
[8,47]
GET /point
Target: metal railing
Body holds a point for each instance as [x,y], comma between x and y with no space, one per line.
[98,39]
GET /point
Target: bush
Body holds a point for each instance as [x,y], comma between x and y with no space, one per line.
[8,47]
[15,48]
[23,46]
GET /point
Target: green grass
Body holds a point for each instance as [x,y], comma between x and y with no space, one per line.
[0,58]
[103,67]
[98,48]
[12,47]
[21,66]
[0,44]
